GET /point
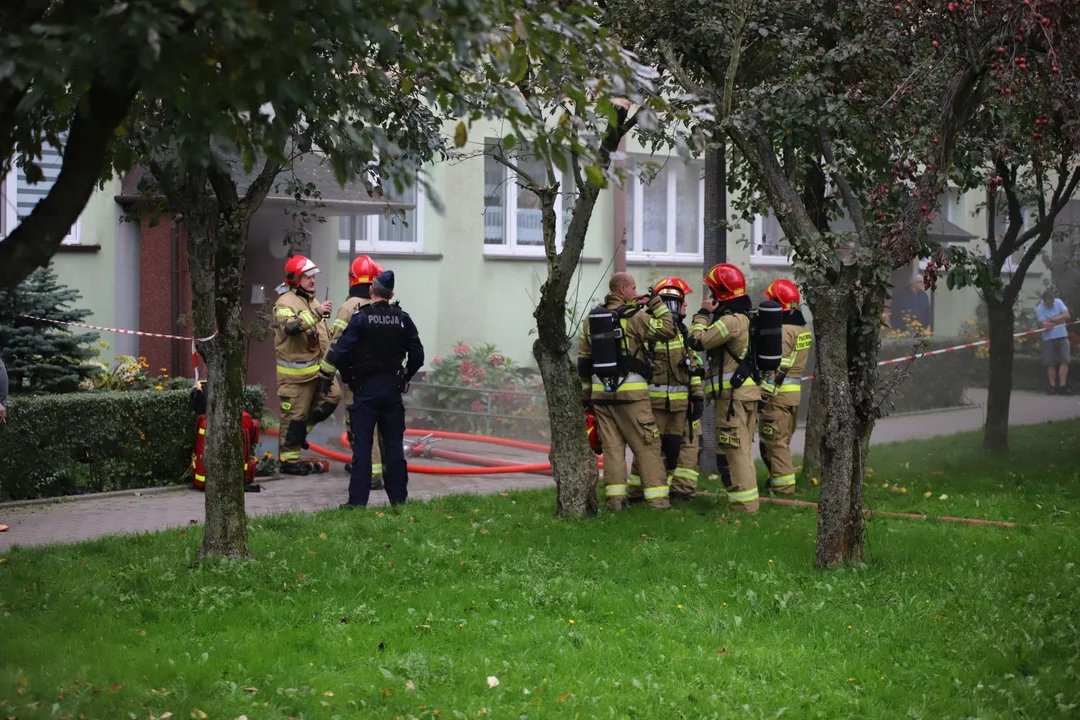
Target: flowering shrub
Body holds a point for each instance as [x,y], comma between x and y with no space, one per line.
[480,390]
[129,373]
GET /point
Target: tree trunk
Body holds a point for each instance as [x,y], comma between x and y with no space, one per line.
[999,385]
[846,355]
[815,429]
[573,463]
[714,251]
[225,534]
[217,272]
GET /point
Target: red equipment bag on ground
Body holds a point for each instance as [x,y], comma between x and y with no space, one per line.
[249,428]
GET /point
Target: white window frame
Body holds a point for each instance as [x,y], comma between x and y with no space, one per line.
[7,204]
[511,248]
[373,244]
[9,197]
[636,186]
[757,232]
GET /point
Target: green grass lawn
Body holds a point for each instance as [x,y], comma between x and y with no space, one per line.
[687,614]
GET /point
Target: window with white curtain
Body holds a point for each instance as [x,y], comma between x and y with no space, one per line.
[512,213]
[20,196]
[389,231]
[665,217]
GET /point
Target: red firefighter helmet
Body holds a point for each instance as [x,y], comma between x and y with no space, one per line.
[672,287]
[363,271]
[296,267]
[726,281]
[590,430]
[784,292]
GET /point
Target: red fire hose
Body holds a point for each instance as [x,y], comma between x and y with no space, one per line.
[501,468]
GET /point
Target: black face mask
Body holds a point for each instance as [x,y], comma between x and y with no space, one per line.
[363,290]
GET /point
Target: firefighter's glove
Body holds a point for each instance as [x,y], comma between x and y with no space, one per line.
[655,303]
[697,408]
[326,383]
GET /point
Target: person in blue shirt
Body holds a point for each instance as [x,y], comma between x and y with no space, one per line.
[1052,313]
[378,354]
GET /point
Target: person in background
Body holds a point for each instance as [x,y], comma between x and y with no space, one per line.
[3,391]
[1052,313]
[911,305]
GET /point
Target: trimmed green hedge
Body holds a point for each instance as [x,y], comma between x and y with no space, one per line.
[74,443]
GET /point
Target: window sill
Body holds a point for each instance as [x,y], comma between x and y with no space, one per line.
[672,260]
[539,257]
[78,249]
[770,261]
[404,255]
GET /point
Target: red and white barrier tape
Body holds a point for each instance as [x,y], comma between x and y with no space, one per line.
[162,336]
[954,348]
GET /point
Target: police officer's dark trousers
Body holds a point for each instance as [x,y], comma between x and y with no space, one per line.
[378,402]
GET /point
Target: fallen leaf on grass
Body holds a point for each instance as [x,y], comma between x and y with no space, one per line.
[165,716]
[492,681]
[115,687]
[251,689]
[563,697]
[721,652]
[927,494]
[386,692]
[943,497]
[324,703]
[142,633]
[198,714]
[242,717]
[322,536]
[409,685]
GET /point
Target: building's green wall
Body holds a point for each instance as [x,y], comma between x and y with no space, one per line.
[93,274]
[452,290]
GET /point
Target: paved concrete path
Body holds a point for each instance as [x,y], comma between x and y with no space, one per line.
[92,517]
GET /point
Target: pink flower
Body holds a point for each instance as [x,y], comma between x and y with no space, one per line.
[479,373]
[466,367]
[496,360]
[437,361]
[477,406]
[464,379]
[462,349]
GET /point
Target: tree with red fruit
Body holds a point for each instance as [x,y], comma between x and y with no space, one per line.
[1024,150]
[844,119]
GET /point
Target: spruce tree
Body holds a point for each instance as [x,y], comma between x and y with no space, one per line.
[42,356]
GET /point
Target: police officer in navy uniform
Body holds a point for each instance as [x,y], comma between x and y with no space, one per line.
[378,354]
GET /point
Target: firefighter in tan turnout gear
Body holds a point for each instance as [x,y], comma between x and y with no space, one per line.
[781,393]
[675,391]
[301,340]
[362,272]
[722,328]
[615,370]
